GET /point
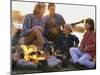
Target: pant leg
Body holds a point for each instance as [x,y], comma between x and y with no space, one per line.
[85,60]
[75,54]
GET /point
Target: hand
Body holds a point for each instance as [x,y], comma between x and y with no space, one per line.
[87,49]
[81,48]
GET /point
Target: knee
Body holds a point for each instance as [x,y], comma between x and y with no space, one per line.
[81,61]
[71,49]
[36,31]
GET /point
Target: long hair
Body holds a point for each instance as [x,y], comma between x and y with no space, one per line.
[91,23]
[38,7]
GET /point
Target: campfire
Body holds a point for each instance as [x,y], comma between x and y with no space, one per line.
[31,53]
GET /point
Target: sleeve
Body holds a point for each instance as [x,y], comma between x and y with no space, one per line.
[62,21]
[26,25]
[93,45]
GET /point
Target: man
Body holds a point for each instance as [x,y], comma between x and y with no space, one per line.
[53,23]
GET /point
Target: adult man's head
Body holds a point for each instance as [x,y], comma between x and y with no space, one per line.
[51,9]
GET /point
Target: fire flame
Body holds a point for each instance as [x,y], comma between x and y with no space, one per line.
[35,57]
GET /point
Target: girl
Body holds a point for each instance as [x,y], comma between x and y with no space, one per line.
[86,53]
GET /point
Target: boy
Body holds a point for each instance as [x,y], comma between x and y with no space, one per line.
[66,40]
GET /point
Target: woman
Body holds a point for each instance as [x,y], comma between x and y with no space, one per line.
[33,25]
[86,53]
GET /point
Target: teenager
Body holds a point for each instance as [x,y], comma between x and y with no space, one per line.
[67,40]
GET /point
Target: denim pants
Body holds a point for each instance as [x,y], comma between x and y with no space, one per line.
[80,57]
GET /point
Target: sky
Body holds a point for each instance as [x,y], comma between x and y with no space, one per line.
[71,13]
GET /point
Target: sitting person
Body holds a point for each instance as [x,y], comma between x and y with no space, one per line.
[86,53]
[33,26]
[66,40]
[52,31]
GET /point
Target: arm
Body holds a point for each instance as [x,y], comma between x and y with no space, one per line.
[93,45]
[73,24]
[90,47]
[26,25]
[62,22]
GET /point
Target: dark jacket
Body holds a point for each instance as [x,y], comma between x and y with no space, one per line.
[65,42]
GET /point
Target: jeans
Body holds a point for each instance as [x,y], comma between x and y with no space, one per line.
[82,58]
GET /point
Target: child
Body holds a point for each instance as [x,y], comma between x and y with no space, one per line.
[86,53]
[66,40]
